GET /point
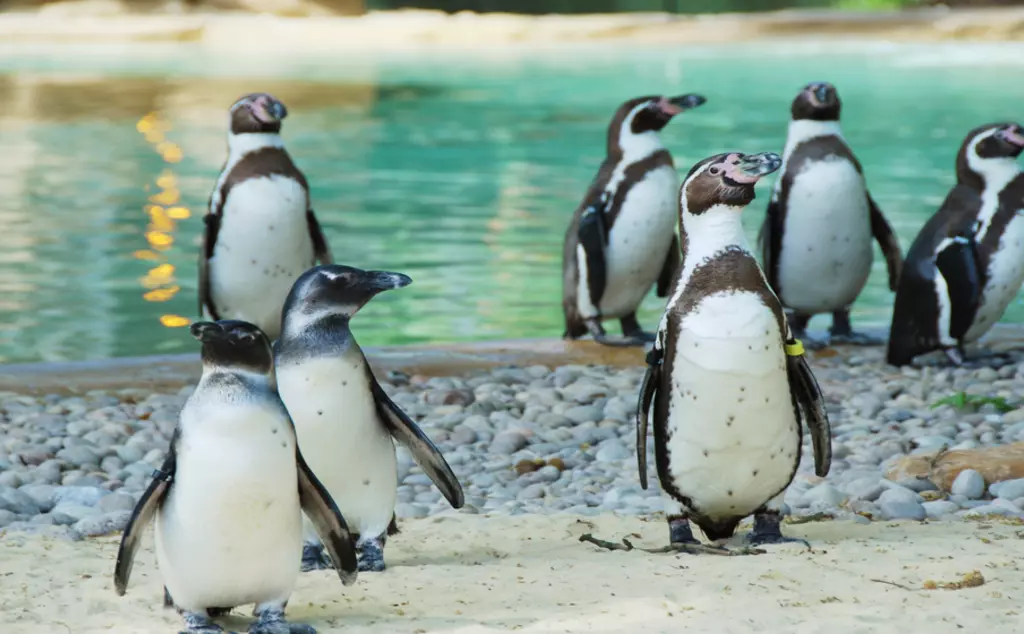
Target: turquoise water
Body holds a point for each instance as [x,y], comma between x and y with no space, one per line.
[460,170]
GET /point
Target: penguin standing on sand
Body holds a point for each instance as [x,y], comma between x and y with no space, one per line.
[345,421]
[230,496]
[261,232]
[728,382]
[816,237]
[622,238]
[967,263]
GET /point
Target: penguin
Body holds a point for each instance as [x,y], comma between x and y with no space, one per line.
[728,382]
[229,498]
[815,239]
[260,232]
[345,421]
[967,263]
[622,237]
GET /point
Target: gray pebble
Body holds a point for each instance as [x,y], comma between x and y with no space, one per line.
[411,511]
[865,489]
[918,485]
[10,479]
[901,509]
[1010,489]
[18,502]
[898,494]
[86,495]
[940,508]
[825,496]
[612,451]
[116,502]
[532,492]
[969,483]
[6,517]
[102,524]
[583,414]
[508,442]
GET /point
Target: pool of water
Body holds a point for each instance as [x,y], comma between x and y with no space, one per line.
[460,170]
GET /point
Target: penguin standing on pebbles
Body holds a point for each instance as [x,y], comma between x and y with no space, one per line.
[728,382]
[346,422]
[816,237]
[967,263]
[230,496]
[261,232]
[622,238]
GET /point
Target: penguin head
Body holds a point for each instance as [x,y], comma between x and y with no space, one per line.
[817,101]
[234,344]
[257,112]
[334,290]
[643,115]
[725,181]
[987,150]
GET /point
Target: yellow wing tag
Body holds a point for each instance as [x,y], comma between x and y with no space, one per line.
[795,349]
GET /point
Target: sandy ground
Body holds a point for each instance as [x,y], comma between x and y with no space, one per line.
[469,574]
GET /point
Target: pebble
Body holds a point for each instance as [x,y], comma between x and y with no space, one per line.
[531,440]
[968,483]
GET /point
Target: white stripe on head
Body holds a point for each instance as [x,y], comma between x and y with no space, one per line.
[997,172]
[637,146]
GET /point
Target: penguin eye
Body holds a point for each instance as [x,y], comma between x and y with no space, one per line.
[714,171]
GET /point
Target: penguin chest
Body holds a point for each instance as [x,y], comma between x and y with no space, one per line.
[826,251]
[1004,277]
[639,241]
[262,247]
[732,437]
[230,531]
[342,438]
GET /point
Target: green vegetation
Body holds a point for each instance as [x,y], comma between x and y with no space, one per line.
[965,401]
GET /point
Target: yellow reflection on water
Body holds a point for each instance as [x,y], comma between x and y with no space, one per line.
[163,211]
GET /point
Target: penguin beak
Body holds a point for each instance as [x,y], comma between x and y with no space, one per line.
[754,166]
[674,105]
[1014,135]
[379,281]
[269,110]
[823,93]
[206,331]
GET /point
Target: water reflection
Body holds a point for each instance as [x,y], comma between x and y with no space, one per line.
[458,171]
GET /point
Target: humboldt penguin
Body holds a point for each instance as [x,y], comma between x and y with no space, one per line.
[260,232]
[728,383]
[622,238]
[967,263]
[229,498]
[346,422]
[816,237]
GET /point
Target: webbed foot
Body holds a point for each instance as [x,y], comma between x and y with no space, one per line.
[600,336]
[271,621]
[370,554]
[198,623]
[314,558]
[632,331]
[955,356]
[681,540]
[768,530]
[842,333]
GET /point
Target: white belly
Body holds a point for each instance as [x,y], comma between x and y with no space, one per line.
[733,435]
[262,248]
[343,440]
[826,247]
[639,242]
[230,532]
[1006,273]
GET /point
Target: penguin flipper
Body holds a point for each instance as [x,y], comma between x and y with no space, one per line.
[593,235]
[890,244]
[769,240]
[321,250]
[423,451]
[810,408]
[146,509]
[211,224]
[669,269]
[322,511]
[648,388]
[957,263]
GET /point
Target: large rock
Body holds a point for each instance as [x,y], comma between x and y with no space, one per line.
[995,464]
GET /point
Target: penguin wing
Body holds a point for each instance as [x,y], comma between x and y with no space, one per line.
[211,228]
[890,244]
[957,263]
[769,240]
[150,502]
[810,409]
[321,249]
[593,236]
[669,269]
[648,388]
[321,509]
[423,451]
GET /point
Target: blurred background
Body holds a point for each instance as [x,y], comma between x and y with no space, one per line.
[459,168]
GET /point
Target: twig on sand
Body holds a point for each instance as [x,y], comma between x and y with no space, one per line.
[693,549]
[893,583]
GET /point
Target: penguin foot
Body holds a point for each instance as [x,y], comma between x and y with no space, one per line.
[198,623]
[854,339]
[690,548]
[271,621]
[681,540]
[370,555]
[955,356]
[314,558]
[640,335]
[767,530]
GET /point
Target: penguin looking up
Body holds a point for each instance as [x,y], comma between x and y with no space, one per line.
[728,383]
[260,232]
[622,238]
[346,422]
[967,263]
[230,496]
[816,236]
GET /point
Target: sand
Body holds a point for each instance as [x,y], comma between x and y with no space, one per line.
[470,574]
